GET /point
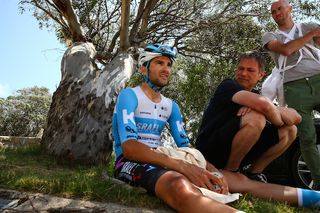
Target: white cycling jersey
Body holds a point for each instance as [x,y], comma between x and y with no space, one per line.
[137,117]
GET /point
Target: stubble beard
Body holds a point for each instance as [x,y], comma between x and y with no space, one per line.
[159,84]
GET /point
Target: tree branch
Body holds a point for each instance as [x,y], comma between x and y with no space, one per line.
[66,9]
[124,27]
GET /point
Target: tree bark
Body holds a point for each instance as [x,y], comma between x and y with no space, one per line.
[80,117]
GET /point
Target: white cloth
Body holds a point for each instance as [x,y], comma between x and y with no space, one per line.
[195,157]
[272,87]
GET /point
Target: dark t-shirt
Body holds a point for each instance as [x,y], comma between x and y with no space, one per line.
[220,123]
[220,108]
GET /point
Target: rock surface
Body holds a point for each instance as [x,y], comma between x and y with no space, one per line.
[15,142]
[15,201]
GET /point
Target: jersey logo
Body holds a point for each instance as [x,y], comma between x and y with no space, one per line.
[164,108]
[183,136]
[127,117]
[179,125]
[150,127]
[129,129]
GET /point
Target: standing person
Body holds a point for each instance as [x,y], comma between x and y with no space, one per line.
[240,127]
[296,44]
[140,116]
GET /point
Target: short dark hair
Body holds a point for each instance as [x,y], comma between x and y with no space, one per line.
[254,54]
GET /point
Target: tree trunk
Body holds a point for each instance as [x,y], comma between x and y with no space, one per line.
[79,120]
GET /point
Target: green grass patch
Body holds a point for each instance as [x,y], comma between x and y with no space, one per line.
[30,169]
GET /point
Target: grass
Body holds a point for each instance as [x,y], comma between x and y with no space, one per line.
[29,169]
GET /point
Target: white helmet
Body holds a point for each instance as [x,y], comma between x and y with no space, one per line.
[152,51]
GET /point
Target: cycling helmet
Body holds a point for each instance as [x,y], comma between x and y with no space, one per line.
[152,51]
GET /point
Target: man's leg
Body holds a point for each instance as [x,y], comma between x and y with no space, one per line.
[251,127]
[172,187]
[303,95]
[308,147]
[177,191]
[287,135]
[293,196]
[239,183]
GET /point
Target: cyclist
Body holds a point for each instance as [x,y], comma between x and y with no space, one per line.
[140,116]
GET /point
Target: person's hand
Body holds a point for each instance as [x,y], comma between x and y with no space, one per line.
[243,110]
[196,175]
[289,116]
[221,184]
[213,181]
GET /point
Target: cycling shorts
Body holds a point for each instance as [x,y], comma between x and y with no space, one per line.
[138,174]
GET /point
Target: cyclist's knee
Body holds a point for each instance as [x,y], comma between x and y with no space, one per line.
[181,190]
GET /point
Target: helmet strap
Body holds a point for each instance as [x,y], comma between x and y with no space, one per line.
[146,78]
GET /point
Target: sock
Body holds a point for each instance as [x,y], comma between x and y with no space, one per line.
[308,198]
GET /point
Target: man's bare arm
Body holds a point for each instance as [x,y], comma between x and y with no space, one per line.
[287,49]
[317,40]
[260,104]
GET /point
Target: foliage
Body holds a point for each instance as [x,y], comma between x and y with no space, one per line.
[30,169]
[213,57]
[24,114]
[175,21]
[194,80]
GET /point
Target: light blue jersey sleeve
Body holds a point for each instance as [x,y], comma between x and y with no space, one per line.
[176,127]
[123,122]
